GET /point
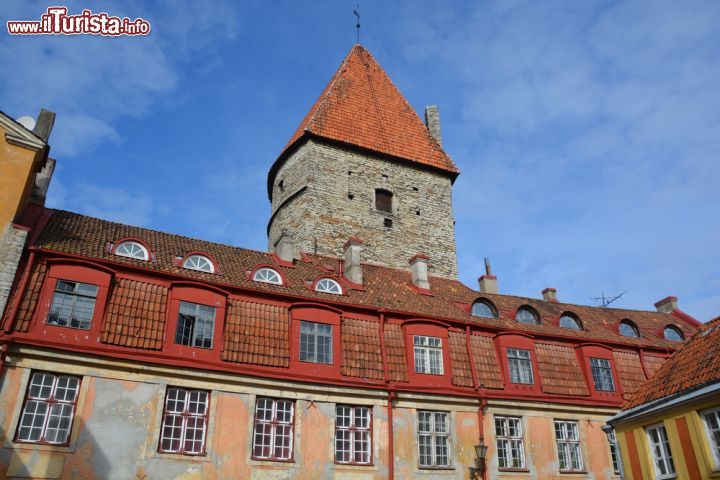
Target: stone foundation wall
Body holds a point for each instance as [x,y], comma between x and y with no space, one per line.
[11,247]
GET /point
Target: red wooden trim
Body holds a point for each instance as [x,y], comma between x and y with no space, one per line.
[314,305]
[633,455]
[80,262]
[199,285]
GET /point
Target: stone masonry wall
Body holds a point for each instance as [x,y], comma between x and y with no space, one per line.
[11,247]
[339,202]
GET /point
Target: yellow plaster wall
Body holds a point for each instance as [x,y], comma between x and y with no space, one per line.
[17,176]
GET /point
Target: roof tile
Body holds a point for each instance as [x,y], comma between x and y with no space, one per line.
[486,362]
[559,370]
[134,323]
[361,349]
[256,333]
[630,371]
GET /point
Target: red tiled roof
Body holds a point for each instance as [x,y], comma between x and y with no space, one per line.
[461,371]
[256,333]
[136,315]
[696,364]
[486,362]
[629,369]
[395,348]
[653,364]
[559,370]
[362,355]
[30,299]
[362,107]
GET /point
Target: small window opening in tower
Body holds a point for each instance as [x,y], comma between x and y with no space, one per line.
[350,196]
[383,200]
[415,189]
[281,185]
[417,212]
[384,177]
[387,223]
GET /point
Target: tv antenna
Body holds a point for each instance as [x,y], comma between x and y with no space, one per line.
[605,301]
[356,12]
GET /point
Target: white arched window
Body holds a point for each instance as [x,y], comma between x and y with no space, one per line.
[132,249]
[482,309]
[525,315]
[628,329]
[673,334]
[328,285]
[201,263]
[268,275]
[569,321]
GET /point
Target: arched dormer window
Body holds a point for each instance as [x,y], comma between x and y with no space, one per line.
[673,334]
[328,285]
[527,315]
[198,262]
[569,320]
[267,275]
[483,309]
[132,249]
[628,329]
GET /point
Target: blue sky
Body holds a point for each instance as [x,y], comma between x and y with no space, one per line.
[587,133]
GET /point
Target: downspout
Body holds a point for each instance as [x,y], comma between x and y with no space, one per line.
[481,425]
[12,311]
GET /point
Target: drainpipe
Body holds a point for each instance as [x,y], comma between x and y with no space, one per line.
[481,425]
[391,440]
[12,311]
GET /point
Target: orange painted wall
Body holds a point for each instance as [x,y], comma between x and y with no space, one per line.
[17,176]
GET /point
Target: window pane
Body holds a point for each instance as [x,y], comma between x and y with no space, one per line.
[49,408]
[73,305]
[482,309]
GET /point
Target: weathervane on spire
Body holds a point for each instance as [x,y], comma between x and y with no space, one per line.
[356,12]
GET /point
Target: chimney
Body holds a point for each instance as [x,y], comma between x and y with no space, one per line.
[44,124]
[549,295]
[42,182]
[488,282]
[353,269]
[418,267]
[432,121]
[667,305]
[285,247]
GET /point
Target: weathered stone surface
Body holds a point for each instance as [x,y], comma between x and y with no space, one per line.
[11,246]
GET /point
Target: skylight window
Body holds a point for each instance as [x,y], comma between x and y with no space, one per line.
[267,275]
[200,263]
[673,334]
[132,249]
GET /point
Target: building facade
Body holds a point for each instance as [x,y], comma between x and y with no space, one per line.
[349,350]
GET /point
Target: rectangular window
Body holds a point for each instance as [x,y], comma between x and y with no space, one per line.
[662,456]
[520,366]
[433,439]
[568,446]
[602,374]
[49,409]
[428,355]
[73,305]
[273,433]
[195,326]
[509,439]
[614,452]
[185,419]
[352,434]
[315,342]
[712,424]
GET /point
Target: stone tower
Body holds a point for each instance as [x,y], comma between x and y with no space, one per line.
[363,164]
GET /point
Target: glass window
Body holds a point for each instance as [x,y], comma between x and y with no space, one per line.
[195,326]
[602,374]
[568,446]
[628,329]
[328,285]
[614,452]
[267,275]
[200,263]
[132,249]
[433,439]
[520,366]
[568,321]
[428,355]
[482,309]
[660,448]
[315,342]
[73,305]
[383,200]
[712,424]
[353,435]
[673,334]
[525,315]
[273,432]
[509,440]
[49,409]
[184,424]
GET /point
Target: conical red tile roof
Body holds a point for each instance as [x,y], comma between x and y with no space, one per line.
[362,107]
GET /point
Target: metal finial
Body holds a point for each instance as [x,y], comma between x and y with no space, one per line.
[357,14]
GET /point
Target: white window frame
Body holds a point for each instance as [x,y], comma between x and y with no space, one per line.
[614,452]
[601,370]
[568,445]
[267,275]
[519,361]
[328,285]
[428,355]
[72,302]
[712,440]
[274,425]
[434,438]
[189,418]
[193,262]
[661,452]
[508,443]
[311,334]
[357,433]
[132,249]
[531,315]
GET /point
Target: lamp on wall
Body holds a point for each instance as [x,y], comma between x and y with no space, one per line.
[478,472]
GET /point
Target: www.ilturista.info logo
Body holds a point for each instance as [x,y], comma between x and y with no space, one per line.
[56,21]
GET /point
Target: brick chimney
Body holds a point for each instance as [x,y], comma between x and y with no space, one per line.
[667,304]
[352,268]
[285,247]
[549,295]
[432,121]
[488,282]
[418,267]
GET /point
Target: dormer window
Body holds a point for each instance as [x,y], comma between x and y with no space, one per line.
[201,263]
[569,321]
[673,334]
[195,326]
[628,329]
[482,309]
[328,285]
[526,315]
[428,355]
[132,249]
[267,275]
[520,366]
[383,200]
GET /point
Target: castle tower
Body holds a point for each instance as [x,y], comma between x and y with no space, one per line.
[363,164]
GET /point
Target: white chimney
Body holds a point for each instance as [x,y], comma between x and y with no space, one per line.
[667,304]
[285,247]
[549,295]
[418,267]
[352,268]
